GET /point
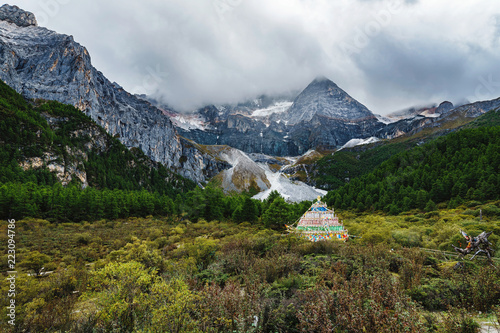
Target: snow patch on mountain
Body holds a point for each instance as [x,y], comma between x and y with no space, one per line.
[309,153]
[430,114]
[189,122]
[358,142]
[278,107]
[245,174]
[235,157]
[290,191]
[386,120]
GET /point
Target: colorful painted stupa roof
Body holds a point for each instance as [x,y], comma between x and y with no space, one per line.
[320,223]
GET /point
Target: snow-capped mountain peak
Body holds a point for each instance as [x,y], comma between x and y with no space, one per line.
[323,97]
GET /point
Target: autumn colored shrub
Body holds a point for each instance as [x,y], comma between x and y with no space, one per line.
[47,303]
[364,304]
[232,308]
[460,321]
[150,274]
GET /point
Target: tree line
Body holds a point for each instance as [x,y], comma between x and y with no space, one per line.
[63,204]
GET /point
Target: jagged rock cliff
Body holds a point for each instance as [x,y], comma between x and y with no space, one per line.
[42,64]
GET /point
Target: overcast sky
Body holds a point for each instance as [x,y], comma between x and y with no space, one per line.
[387,54]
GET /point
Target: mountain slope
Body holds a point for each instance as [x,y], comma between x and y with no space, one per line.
[448,118]
[54,143]
[253,175]
[337,169]
[473,110]
[324,98]
[458,166]
[39,63]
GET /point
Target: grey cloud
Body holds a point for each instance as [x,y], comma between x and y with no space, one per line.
[213,51]
[409,2]
[496,26]
[428,70]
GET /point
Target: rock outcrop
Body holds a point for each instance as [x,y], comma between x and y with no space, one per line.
[444,108]
[19,17]
[70,166]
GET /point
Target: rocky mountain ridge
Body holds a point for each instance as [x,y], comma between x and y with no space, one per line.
[17,16]
[42,64]
[321,116]
[445,115]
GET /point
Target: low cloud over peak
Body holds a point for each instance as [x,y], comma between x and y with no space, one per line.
[388,54]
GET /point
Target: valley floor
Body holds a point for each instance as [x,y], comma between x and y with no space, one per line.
[167,273]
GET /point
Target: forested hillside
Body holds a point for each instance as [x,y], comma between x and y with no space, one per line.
[57,144]
[463,165]
[48,138]
[335,170]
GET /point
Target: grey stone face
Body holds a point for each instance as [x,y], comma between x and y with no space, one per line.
[444,108]
[324,98]
[42,64]
[14,14]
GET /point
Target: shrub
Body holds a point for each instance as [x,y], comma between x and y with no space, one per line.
[82,239]
[437,294]
[408,238]
[117,291]
[491,210]
[35,262]
[460,321]
[364,304]
[471,212]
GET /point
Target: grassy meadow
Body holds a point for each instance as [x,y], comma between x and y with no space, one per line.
[170,274]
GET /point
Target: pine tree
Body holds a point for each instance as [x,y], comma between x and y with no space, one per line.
[277,215]
[430,206]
